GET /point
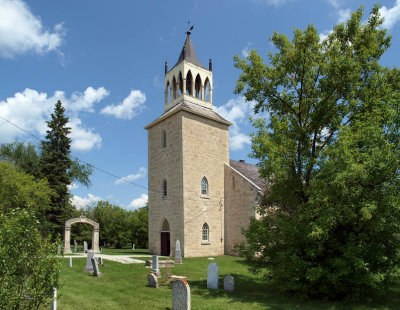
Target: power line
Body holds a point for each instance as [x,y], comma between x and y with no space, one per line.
[102,170]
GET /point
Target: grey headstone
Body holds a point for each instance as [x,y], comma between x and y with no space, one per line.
[180,295]
[178,256]
[152,280]
[101,261]
[89,266]
[75,246]
[148,263]
[212,276]
[70,262]
[53,303]
[155,268]
[96,271]
[85,249]
[229,283]
[133,246]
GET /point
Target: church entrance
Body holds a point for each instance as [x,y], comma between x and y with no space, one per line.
[165,240]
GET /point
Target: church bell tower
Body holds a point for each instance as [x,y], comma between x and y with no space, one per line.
[188,147]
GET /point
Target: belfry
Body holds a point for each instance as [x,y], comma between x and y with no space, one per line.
[188,158]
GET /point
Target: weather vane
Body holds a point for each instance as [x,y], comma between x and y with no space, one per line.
[189,27]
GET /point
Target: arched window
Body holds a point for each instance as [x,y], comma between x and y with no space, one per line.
[180,84]
[168,92]
[163,139]
[206,90]
[204,186]
[205,232]
[197,87]
[189,83]
[174,89]
[164,189]
[165,226]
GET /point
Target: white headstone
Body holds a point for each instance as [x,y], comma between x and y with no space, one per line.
[85,249]
[133,246]
[75,246]
[152,280]
[178,256]
[59,250]
[154,268]
[212,276]
[229,283]
[89,266]
[70,262]
[180,295]
[53,303]
[101,261]
[96,271]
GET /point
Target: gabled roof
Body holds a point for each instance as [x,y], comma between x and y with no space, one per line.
[188,53]
[249,171]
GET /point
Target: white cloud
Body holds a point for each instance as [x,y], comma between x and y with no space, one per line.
[237,111]
[139,202]
[30,110]
[272,2]
[391,16]
[324,35]
[85,101]
[80,202]
[344,15]
[72,186]
[21,31]
[335,3]
[129,108]
[246,50]
[132,177]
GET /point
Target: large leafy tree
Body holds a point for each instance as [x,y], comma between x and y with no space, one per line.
[330,152]
[55,164]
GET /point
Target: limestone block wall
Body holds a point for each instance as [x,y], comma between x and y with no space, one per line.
[165,163]
[240,196]
[205,145]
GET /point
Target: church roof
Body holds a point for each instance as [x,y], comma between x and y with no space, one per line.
[249,171]
[188,53]
[191,108]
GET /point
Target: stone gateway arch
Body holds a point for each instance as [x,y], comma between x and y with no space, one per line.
[67,233]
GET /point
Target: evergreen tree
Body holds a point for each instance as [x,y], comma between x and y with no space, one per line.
[55,164]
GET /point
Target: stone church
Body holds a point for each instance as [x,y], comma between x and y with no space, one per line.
[197,195]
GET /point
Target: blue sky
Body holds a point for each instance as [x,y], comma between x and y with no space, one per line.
[105,61]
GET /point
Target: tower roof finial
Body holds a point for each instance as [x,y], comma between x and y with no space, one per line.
[190,28]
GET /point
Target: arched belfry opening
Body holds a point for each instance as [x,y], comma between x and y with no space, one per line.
[198,87]
[187,79]
[189,83]
[165,238]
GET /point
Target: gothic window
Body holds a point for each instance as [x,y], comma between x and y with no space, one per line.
[206,90]
[197,87]
[205,232]
[204,186]
[164,189]
[180,83]
[164,139]
[189,83]
[165,226]
[168,92]
[174,89]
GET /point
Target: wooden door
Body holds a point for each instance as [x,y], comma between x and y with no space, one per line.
[165,247]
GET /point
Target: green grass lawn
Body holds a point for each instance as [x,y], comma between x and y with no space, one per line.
[124,287]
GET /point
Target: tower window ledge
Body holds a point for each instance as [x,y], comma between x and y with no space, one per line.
[204,197]
[205,243]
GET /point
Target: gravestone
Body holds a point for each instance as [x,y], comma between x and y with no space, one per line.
[229,283]
[53,303]
[152,280]
[178,256]
[70,262]
[89,266]
[133,246]
[155,268]
[75,246]
[180,295]
[101,261]
[96,271]
[212,276]
[85,249]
